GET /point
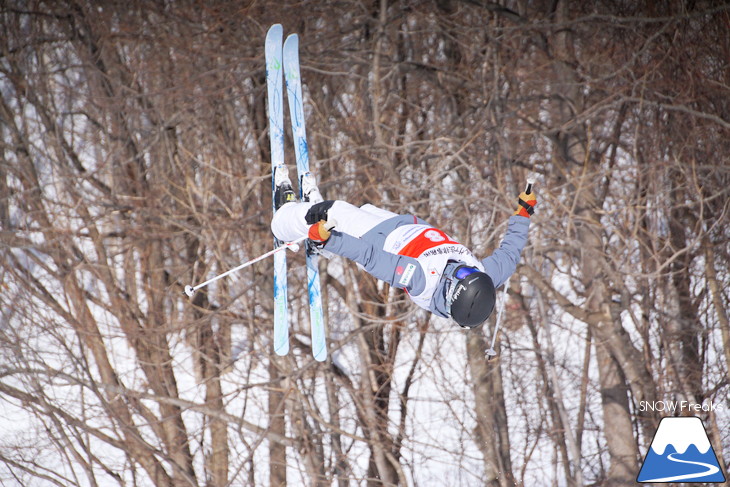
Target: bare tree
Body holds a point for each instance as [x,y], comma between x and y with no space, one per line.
[135,160]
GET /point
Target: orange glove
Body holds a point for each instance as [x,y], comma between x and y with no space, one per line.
[319,233]
[526,204]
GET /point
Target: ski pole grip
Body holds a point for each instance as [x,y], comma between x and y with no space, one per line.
[528,188]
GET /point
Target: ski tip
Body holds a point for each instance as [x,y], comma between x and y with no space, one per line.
[273,38]
[282,349]
[319,345]
[189,291]
[275,29]
[291,40]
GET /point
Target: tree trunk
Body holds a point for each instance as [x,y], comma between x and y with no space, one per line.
[491,431]
[277,424]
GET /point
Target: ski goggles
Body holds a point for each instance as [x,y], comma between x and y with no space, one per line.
[460,273]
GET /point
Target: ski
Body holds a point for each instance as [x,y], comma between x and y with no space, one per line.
[275,98]
[296,112]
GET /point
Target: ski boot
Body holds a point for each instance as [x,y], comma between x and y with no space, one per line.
[283,192]
[310,191]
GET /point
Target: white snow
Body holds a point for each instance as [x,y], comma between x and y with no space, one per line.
[680,432]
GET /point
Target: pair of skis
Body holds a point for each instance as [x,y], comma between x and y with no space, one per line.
[282,62]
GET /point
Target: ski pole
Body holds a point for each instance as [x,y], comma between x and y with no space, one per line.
[491,352]
[530,182]
[294,245]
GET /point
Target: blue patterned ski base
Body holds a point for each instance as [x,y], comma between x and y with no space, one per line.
[296,112]
[275,98]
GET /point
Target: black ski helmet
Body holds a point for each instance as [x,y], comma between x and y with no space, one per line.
[472,299]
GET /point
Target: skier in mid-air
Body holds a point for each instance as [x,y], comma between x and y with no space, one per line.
[438,273]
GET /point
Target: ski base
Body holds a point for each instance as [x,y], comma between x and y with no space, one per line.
[285,60]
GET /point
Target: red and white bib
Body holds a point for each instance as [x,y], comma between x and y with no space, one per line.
[432,248]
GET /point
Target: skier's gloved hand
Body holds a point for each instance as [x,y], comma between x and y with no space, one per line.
[318,212]
[319,232]
[526,204]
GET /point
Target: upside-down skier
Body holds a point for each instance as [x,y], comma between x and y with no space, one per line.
[438,273]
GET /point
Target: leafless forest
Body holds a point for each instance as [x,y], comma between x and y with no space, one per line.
[135,160]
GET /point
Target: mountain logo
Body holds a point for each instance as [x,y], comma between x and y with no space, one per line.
[681,452]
